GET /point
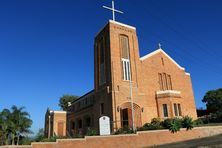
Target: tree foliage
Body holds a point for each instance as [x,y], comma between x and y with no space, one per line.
[213,100]
[40,135]
[14,124]
[64,101]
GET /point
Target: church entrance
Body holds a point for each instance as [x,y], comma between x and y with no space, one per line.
[126,115]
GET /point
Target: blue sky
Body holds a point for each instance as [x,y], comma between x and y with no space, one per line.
[46,46]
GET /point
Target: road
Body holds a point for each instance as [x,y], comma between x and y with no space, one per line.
[209,142]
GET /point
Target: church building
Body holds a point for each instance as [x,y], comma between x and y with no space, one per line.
[129,89]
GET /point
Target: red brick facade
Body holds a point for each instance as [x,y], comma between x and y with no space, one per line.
[158,85]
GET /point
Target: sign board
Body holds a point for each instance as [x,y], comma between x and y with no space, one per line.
[104,125]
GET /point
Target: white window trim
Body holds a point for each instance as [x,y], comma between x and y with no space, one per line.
[126,69]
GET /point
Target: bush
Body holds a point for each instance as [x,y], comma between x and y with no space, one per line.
[154,125]
[51,139]
[167,123]
[175,125]
[218,116]
[156,121]
[91,132]
[26,141]
[198,122]
[187,122]
[140,129]
[78,135]
[125,130]
[151,126]
[212,118]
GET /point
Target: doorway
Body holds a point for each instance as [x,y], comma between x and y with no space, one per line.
[126,115]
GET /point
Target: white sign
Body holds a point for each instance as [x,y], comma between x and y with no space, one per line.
[104,125]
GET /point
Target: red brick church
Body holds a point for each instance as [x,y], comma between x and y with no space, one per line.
[148,87]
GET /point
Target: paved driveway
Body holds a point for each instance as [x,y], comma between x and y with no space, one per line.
[210,142]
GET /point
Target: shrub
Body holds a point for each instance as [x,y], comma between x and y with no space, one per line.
[156,121]
[91,132]
[77,135]
[212,118]
[175,125]
[26,141]
[140,129]
[150,126]
[187,122]
[51,139]
[154,125]
[205,120]
[198,122]
[219,116]
[124,130]
[167,123]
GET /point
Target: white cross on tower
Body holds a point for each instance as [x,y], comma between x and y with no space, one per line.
[160,46]
[113,9]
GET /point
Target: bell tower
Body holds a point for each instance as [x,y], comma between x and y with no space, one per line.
[116,55]
[117,67]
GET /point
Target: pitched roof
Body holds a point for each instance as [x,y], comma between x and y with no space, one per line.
[161,51]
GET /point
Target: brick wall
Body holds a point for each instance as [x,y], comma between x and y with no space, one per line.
[141,139]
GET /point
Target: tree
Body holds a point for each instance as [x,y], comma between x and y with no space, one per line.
[21,121]
[64,101]
[40,135]
[5,124]
[14,124]
[213,100]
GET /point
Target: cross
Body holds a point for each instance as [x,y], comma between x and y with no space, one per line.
[113,9]
[160,46]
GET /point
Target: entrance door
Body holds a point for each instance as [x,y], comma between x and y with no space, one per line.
[60,128]
[125,118]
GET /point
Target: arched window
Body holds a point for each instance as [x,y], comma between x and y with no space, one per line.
[125,57]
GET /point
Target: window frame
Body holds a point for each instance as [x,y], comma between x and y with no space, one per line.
[176,113]
[125,59]
[165,111]
[179,109]
[126,69]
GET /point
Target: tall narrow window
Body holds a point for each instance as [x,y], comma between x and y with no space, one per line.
[162,61]
[165,81]
[165,87]
[102,108]
[179,109]
[175,109]
[101,47]
[165,110]
[169,82]
[160,81]
[124,45]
